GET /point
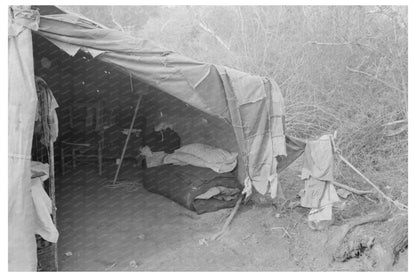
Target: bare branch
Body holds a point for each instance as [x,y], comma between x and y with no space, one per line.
[328,43]
[208,30]
[374,78]
[396,122]
[356,191]
[399,205]
[243,31]
[391,133]
[113,19]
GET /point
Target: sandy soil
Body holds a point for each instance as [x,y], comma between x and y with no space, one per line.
[116,229]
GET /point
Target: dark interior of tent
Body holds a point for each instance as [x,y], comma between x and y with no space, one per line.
[97,103]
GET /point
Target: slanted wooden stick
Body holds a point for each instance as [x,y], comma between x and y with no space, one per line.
[228,221]
[52,196]
[396,203]
[127,139]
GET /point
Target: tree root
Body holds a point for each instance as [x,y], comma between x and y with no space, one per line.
[383,251]
[336,241]
[387,251]
[353,190]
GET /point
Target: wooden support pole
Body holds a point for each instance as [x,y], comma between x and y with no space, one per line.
[127,139]
[228,221]
[399,205]
[53,197]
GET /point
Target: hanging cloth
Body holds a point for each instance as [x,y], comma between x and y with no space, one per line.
[46,122]
[319,193]
[44,225]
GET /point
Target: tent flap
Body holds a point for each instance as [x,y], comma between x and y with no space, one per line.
[22,109]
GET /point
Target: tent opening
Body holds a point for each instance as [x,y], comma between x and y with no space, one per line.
[96,106]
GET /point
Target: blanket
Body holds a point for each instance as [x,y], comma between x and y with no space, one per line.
[197,189]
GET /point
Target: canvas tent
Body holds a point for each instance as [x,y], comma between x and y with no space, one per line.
[252,105]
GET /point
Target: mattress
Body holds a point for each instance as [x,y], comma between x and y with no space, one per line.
[185,185]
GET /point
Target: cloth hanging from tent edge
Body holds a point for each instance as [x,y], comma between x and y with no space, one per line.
[46,124]
[263,137]
[43,204]
[317,171]
[319,159]
[21,116]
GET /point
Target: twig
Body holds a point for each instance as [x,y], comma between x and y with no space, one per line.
[395,122]
[228,221]
[284,230]
[374,78]
[391,133]
[396,203]
[329,43]
[208,30]
[369,199]
[353,190]
[114,20]
[111,266]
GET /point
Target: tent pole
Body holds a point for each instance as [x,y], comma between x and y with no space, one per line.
[52,195]
[51,157]
[127,139]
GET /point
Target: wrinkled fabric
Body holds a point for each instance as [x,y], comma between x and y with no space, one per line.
[253,105]
[152,158]
[22,101]
[202,155]
[43,207]
[256,110]
[46,124]
[317,171]
[39,169]
[220,192]
[294,149]
[21,18]
[183,184]
[319,159]
[44,225]
[318,193]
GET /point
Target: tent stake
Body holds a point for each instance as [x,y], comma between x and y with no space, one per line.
[127,139]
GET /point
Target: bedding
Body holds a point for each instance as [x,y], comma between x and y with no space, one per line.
[203,155]
[197,189]
[152,158]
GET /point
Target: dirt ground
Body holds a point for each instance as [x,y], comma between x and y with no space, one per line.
[122,229]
